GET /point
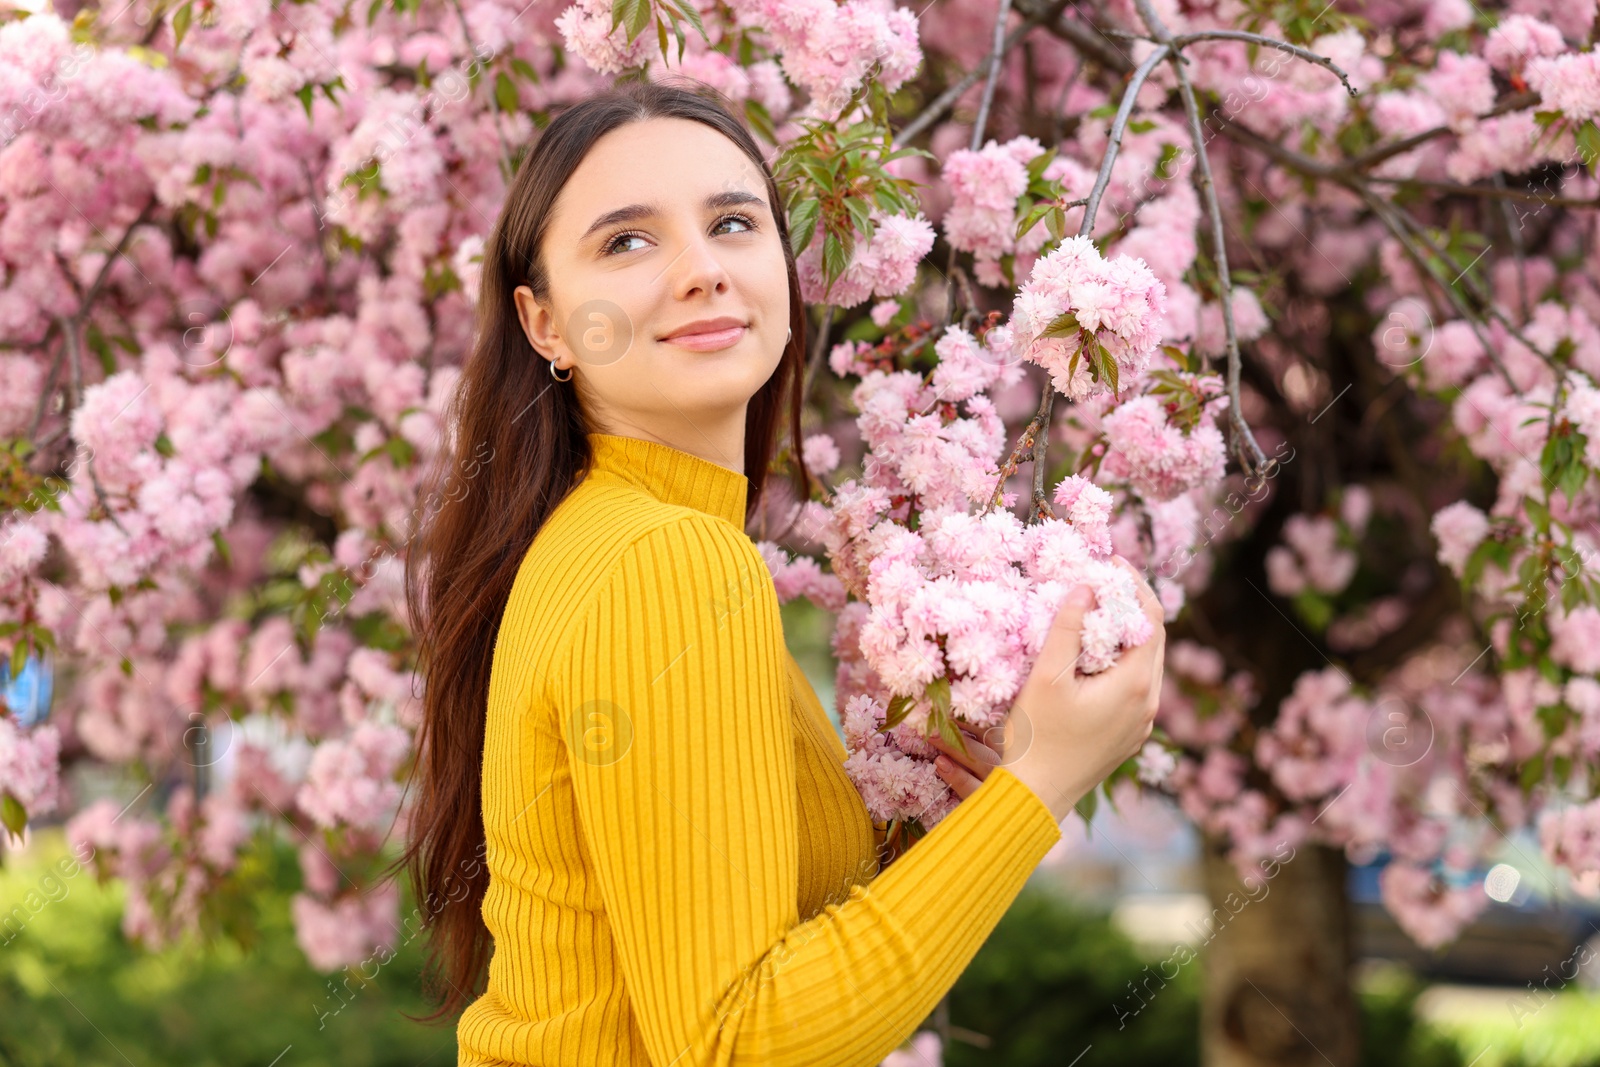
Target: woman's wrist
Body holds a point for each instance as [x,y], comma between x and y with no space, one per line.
[1059,789]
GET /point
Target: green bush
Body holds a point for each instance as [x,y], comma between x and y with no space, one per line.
[76,994]
[1053,980]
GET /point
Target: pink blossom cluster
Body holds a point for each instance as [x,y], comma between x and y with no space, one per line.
[169,870]
[1118,305]
[1570,836]
[1459,529]
[1427,907]
[1315,554]
[1159,459]
[984,187]
[348,929]
[586,31]
[30,764]
[961,603]
[1568,83]
[884,264]
[1367,773]
[352,782]
[826,49]
[801,576]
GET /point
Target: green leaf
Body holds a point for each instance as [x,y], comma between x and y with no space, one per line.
[691,13]
[1589,139]
[1539,513]
[835,256]
[1554,718]
[1038,164]
[222,548]
[899,708]
[1490,549]
[13,814]
[803,223]
[102,351]
[1063,325]
[164,445]
[638,17]
[1179,356]
[19,658]
[859,215]
[1032,217]
[1087,805]
[505,93]
[1314,608]
[305,93]
[1108,364]
[761,120]
[180,23]
[1532,773]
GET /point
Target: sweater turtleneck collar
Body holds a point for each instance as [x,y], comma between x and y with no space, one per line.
[672,475]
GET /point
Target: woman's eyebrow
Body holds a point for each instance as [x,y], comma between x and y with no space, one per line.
[635,212]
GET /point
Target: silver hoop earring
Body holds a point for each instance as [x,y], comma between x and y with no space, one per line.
[788,336]
[558,377]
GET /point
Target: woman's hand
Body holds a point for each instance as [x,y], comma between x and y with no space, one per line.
[965,771]
[1076,729]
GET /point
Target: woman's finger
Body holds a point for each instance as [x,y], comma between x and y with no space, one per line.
[994,737]
[979,758]
[956,777]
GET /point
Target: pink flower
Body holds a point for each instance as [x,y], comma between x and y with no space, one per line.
[883,265]
[1157,457]
[1429,911]
[30,764]
[820,453]
[352,781]
[1118,304]
[1568,83]
[1576,639]
[1459,528]
[21,376]
[1570,836]
[1519,38]
[1155,763]
[350,929]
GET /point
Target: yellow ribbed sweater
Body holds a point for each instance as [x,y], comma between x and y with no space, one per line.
[681,872]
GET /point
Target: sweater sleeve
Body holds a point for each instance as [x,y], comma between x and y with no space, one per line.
[676,708]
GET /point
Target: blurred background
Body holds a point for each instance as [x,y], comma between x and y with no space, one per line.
[1099,961]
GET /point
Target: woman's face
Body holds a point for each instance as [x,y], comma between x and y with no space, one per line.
[664,225]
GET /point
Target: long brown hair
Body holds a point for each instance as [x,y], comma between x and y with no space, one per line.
[515,445]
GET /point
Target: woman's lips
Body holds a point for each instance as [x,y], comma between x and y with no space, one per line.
[709,341]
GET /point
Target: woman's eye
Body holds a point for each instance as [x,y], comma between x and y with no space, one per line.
[611,245]
[745,219]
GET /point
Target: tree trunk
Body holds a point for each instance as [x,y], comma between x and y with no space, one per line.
[1277,989]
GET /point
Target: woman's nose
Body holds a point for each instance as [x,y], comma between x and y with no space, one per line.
[697,266]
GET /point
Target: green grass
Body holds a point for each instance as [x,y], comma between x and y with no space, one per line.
[1565,1032]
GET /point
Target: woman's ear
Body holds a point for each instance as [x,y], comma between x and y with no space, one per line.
[537,322]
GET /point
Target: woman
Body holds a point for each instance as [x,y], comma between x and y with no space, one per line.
[625,779]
